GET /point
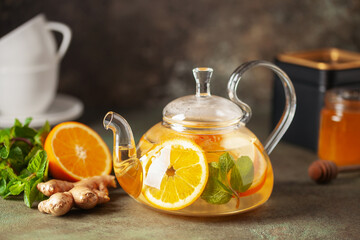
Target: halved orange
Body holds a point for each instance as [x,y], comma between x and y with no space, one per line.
[75,151]
[179,168]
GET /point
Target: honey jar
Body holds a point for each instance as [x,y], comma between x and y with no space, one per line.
[339,134]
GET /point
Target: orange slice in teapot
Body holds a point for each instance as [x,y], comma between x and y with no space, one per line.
[243,146]
[176,172]
[260,170]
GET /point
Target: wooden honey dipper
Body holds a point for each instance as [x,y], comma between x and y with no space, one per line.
[323,171]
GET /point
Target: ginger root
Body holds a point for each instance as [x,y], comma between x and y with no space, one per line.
[84,194]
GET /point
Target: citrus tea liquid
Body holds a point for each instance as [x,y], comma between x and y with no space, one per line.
[228,194]
[128,170]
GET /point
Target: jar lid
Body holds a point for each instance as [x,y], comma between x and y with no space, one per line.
[202,110]
[345,98]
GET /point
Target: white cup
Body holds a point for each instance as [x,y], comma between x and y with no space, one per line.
[29,63]
[28,91]
[33,43]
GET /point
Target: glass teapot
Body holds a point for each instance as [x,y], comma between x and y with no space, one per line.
[201,160]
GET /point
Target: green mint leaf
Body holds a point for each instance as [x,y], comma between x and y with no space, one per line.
[41,135]
[27,121]
[23,161]
[38,163]
[215,191]
[4,152]
[8,186]
[2,186]
[24,132]
[213,169]
[27,191]
[3,172]
[5,131]
[43,165]
[5,148]
[24,173]
[8,173]
[35,162]
[235,179]
[46,170]
[7,193]
[31,193]
[17,123]
[16,158]
[16,187]
[3,164]
[224,187]
[242,175]
[23,144]
[226,162]
[32,153]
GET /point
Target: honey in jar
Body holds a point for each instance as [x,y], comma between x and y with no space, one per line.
[339,136]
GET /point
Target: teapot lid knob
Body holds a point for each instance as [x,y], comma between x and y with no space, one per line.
[202,110]
[202,77]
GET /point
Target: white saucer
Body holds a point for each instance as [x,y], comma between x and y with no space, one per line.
[64,108]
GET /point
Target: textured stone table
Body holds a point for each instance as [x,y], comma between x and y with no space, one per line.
[297,209]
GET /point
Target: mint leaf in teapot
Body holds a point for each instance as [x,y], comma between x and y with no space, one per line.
[226,163]
[217,194]
[214,169]
[219,190]
[242,175]
[215,191]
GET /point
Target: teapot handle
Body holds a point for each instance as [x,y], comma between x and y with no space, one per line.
[290,100]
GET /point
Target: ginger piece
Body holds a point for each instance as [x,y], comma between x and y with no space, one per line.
[84,194]
[58,204]
[54,186]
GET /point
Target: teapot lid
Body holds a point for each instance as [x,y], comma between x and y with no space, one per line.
[202,109]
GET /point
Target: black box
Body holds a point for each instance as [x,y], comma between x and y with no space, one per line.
[312,73]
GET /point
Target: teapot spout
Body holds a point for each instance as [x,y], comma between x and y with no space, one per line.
[127,166]
[123,136]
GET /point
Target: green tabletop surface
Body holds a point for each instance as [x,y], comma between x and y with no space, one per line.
[297,209]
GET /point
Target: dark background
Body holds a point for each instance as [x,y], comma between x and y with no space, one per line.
[139,54]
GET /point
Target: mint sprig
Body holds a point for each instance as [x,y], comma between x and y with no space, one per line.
[219,190]
[215,191]
[242,175]
[23,161]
